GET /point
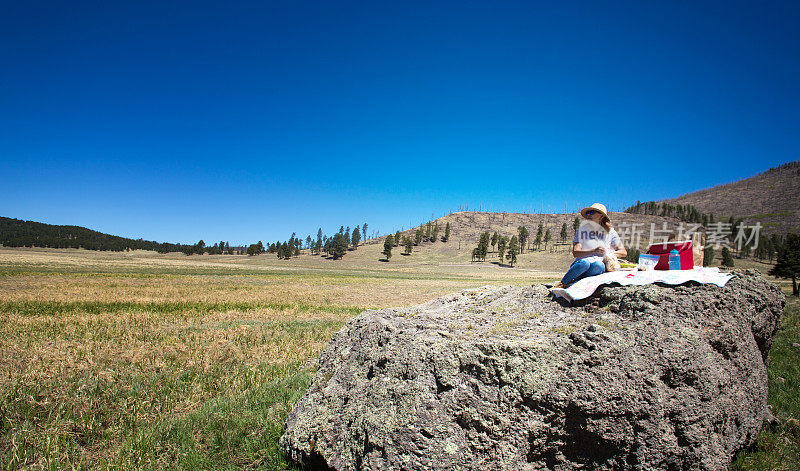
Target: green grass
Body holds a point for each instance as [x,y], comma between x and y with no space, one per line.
[237,428]
[153,385]
[779,448]
[268,271]
[770,215]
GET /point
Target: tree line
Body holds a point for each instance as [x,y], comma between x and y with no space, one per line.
[766,250]
[429,234]
[683,212]
[507,248]
[335,246]
[20,233]
[200,248]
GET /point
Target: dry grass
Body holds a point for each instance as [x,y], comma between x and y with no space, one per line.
[230,289]
[151,361]
[78,386]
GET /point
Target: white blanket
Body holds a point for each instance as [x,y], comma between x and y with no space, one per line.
[585,287]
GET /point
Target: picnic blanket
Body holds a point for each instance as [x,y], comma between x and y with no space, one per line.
[584,288]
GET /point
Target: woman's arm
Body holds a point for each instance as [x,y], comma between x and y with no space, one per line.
[620,251]
[578,252]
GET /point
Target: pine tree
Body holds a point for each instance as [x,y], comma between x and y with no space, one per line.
[408,243]
[513,250]
[563,232]
[769,248]
[364,231]
[308,242]
[547,238]
[495,238]
[745,252]
[447,232]
[727,258]
[338,246]
[539,234]
[777,243]
[387,247]
[788,263]
[435,232]
[418,236]
[708,255]
[479,253]
[484,244]
[523,237]
[501,247]
[428,231]
[396,238]
[356,237]
[576,224]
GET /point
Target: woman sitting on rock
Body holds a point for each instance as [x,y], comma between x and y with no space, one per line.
[594,239]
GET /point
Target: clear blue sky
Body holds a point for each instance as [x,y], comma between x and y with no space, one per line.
[240,121]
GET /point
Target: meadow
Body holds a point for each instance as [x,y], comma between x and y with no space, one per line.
[145,361]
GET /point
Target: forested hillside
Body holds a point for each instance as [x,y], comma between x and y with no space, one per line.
[771,198]
[19,233]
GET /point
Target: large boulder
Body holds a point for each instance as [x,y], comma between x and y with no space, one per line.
[638,377]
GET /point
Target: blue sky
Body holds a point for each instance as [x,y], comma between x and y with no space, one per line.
[240,121]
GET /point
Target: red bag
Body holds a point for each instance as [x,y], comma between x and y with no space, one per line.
[684,248]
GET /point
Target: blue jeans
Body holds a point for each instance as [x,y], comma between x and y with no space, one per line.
[581,268]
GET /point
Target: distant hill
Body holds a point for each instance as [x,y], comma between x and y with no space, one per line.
[19,233]
[467,226]
[772,198]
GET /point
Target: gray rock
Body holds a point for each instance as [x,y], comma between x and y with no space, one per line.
[649,377]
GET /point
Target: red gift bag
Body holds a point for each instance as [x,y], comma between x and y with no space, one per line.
[684,248]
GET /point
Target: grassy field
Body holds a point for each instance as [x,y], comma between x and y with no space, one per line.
[137,360]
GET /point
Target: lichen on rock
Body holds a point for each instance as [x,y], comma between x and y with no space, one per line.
[653,377]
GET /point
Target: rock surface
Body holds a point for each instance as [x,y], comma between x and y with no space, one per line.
[650,377]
